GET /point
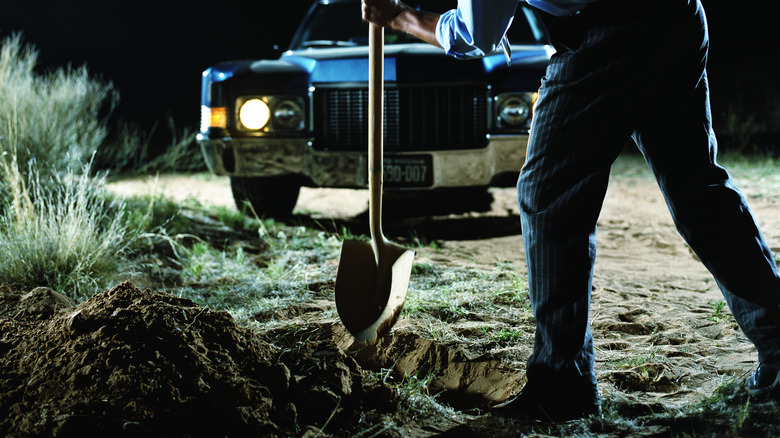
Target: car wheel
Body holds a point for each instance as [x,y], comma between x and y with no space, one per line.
[273,197]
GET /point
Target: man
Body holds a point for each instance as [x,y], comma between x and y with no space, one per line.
[623,69]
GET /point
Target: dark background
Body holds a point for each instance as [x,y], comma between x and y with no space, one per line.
[154,52]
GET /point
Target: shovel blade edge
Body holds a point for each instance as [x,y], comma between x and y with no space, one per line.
[398,285]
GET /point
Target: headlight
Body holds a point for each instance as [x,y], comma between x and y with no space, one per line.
[288,114]
[254,114]
[513,111]
[267,114]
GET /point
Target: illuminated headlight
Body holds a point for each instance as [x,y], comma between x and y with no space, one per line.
[267,114]
[254,114]
[513,111]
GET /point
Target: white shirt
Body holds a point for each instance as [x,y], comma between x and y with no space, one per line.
[476,27]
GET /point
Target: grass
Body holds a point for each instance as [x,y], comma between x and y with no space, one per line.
[757,175]
[60,234]
[450,293]
[257,266]
[635,361]
[729,405]
[508,336]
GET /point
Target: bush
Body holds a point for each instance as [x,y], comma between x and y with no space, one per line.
[56,227]
[59,233]
[53,119]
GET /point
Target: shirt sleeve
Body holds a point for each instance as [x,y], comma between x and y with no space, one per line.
[475,28]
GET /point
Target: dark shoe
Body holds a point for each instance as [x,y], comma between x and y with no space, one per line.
[765,381]
[538,406]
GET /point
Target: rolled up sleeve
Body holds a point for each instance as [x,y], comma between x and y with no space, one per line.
[475,28]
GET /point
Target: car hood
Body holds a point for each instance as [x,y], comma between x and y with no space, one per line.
[408,63]
[296,71]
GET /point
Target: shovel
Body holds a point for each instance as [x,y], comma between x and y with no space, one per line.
[373,276]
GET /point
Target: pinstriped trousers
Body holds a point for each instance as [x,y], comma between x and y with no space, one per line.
[630,69]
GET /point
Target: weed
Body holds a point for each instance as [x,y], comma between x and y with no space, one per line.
[732,405]
[516,294]
[196,259]
[147,213]
[717,310]
[414,306]
[422,242]
[281,238]
[416,399]
[347,234]
[742,415]
[279,268]
[508,336]
[233,218]
[423,269]
[435,330]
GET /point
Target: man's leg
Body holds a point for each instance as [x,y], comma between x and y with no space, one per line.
[709,211]
[586,111]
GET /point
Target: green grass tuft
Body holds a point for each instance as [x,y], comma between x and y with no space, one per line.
[59,233]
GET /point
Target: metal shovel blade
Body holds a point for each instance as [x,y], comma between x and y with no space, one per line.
[370,295]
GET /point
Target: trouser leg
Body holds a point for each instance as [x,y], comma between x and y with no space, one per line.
[709,211]
[580,125]
[714,218]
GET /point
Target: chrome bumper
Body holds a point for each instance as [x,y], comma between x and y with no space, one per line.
[497,164]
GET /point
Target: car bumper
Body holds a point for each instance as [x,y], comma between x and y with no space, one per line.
[498,164]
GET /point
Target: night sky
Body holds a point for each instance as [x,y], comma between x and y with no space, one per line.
[154,52]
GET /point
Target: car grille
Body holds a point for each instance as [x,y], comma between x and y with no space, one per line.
[415,118]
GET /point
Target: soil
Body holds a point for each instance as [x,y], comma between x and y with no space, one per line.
[135,362]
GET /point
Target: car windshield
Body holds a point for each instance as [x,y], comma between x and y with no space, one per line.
[339,24]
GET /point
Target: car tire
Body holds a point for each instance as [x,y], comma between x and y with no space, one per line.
[271,197]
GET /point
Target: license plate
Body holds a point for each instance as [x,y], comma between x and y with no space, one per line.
[408,171]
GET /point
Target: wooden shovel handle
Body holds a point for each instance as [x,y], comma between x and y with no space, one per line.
[375,120]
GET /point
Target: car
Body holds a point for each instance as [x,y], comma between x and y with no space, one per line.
[450,126]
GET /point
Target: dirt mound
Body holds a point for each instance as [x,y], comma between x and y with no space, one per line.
[129,362]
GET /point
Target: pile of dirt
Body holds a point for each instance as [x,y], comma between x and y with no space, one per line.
[131,362]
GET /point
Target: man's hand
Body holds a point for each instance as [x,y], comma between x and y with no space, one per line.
[396,15]
[382,12]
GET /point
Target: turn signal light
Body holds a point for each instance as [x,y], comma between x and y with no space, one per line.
[212,118]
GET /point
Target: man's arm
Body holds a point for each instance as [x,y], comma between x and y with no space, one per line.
[396,15]
[473,30]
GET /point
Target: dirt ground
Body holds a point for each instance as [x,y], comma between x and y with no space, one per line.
[130,362]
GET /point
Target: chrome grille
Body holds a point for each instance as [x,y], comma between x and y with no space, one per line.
[415,118]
